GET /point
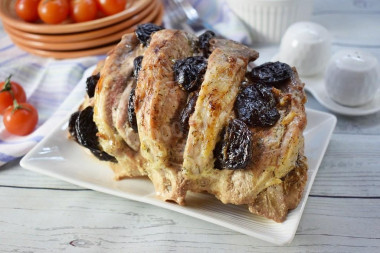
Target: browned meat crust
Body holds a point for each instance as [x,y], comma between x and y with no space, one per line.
[114,134]
[157,118]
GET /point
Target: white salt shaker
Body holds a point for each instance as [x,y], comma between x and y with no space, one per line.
[352,77]
[306,45]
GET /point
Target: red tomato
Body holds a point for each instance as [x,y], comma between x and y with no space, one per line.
[27,9]
[53,11]
[20,119]
[110,7]
[83,10]
[8,91]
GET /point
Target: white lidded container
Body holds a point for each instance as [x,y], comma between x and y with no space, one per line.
[269,19]
[306,45]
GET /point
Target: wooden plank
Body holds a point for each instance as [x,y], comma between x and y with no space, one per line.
[350,167]
[52,221]
[11,174]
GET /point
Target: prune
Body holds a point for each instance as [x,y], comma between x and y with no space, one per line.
[256,105]
[188,73]
[234,151]
[144,31]
[91,84]
[86,130]
[271,73]
[137,65]
[71,126]
[204,41]
[131,110]
[188,110]
[103,156]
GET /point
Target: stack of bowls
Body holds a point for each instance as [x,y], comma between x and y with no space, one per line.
[69,39]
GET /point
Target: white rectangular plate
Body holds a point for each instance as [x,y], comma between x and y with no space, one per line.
[64,159]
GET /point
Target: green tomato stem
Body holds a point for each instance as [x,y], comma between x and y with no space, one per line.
[8,86]
[17,106]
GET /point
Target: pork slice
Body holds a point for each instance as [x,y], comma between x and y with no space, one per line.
[294,121]
[120,117]
[213,110]
[114,76]
[159,101]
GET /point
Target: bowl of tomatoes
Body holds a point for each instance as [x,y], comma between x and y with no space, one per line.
[74,28]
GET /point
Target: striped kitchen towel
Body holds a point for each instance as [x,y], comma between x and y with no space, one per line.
[47,82]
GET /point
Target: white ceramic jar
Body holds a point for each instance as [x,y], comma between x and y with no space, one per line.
[268,19]
[307,46]
[352,77]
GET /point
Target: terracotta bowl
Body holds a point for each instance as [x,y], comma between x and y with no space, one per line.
[85,35]
[91,49]
[57,45]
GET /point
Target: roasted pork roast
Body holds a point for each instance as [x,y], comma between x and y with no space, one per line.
[192,114]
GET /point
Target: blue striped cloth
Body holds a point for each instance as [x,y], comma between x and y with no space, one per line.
[47,82]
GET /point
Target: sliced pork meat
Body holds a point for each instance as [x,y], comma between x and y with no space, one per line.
[110,112]
[159,102]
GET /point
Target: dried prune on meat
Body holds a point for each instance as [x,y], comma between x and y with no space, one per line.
[188,73]
[137,65]
[144,31]
[86,130]
[188,110]
[256,105]
[91,84]
[204,41]
[131,110]
[271,73]
[234,150]
[103,156]
[71,126]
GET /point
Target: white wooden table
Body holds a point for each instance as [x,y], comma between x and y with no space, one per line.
[42,214]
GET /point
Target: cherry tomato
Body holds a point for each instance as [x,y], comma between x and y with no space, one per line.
[110,7]
[83,10]
[53,11]
[20,118]
[8,91]
[27,9]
